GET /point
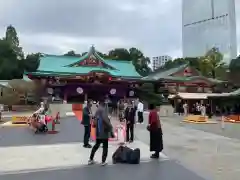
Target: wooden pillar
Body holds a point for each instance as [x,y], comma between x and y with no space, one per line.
[65,96]
[85,97]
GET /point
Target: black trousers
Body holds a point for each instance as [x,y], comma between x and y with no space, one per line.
[97,145]
[140,117]
[130,132]
[87,131]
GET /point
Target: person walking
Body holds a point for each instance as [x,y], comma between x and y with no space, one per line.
[104,130]
[140,112]
[155,129]
[130,121]
[86,122]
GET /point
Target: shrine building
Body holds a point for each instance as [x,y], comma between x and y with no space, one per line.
[91,76]
[184,79]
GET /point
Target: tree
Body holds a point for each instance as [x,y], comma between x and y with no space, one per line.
[147,93]
[12,62]
[31,62]
[211,61]
[133,54]
[234,71]
[9,64]
[120,54]
[84,53]
[140,62]
[12,38]
[72,53]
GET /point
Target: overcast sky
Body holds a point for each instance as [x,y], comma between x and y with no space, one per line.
[56,26]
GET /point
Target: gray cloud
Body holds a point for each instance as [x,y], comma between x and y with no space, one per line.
[153,26]
[54,26]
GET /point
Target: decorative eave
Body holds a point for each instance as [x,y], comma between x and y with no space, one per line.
[92,59]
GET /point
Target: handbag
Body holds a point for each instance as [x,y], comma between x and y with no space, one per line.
[148,127]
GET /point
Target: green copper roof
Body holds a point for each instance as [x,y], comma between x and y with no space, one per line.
[68,65]
[163,74]
[167,75]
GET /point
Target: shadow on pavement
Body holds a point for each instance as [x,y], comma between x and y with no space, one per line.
[71,131]
[166,170]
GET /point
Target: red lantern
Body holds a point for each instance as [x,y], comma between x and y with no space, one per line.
[110,78]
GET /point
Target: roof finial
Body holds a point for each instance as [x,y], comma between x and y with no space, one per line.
[92,49]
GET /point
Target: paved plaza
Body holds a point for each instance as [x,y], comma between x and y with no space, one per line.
[191,154]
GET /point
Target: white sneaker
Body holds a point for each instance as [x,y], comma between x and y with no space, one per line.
[103,164]
[91,162]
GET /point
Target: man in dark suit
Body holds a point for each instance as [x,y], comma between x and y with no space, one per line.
[130,121]
[86,121]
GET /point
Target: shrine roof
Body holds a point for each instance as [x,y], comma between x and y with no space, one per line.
[161,74]
[69,65]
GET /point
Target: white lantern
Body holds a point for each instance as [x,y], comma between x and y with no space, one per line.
[131,93]
[113,91]
[50,90]
[79,90]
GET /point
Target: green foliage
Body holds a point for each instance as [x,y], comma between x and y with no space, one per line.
[31,62]
[147,94]
[135,55]
[119,54]
[234,71]
[9,64]
[12,62]
[211,61]
[72,53]
[211,65]
[235,64]
[12,38]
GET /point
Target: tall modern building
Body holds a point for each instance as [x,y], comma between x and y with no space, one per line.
[160,61]
[207,24]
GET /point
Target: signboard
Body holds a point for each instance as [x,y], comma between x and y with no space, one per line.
[20,119]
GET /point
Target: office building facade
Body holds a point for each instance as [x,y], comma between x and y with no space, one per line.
[160,61]
[207,24]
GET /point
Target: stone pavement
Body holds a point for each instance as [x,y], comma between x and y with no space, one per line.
[231,129]
[20,145]
[210,155]
[60,156]
[166,170]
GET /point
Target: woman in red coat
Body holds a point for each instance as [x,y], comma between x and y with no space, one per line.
[155,129]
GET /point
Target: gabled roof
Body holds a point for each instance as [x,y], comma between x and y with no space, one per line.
[94,57]
[161,74]
[53,65]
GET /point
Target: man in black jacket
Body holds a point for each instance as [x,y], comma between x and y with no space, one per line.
[86,121]
[130,121]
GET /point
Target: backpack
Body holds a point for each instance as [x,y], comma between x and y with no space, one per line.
[126,155]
